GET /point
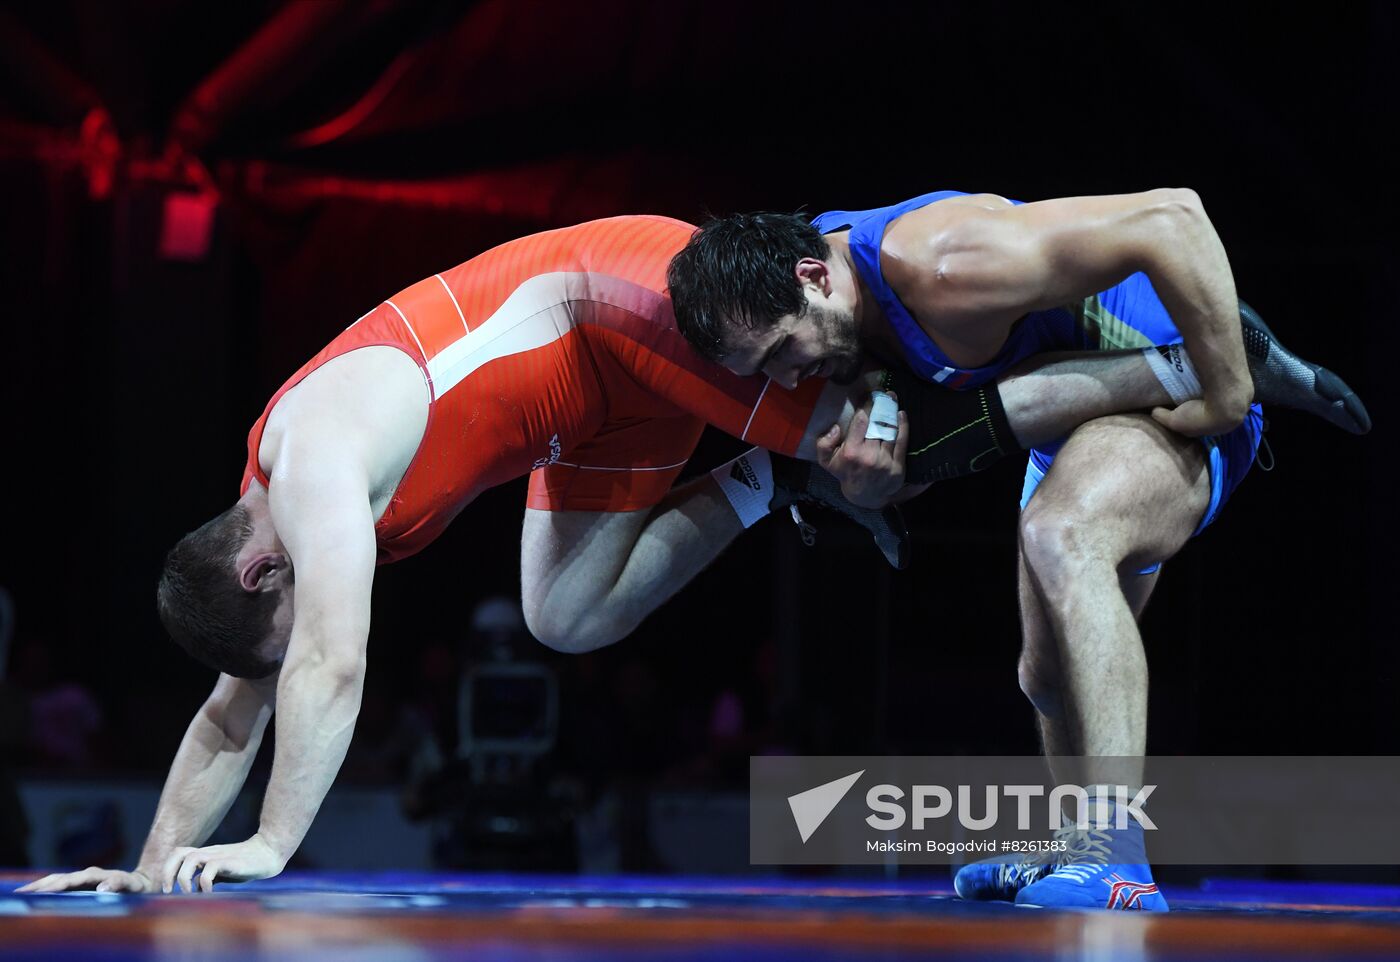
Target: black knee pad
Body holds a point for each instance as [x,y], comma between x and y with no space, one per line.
[951,433]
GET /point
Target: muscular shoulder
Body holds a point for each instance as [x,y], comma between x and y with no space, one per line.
[362,381]
[926,252]
[933,255]
[361,407]
[921,245]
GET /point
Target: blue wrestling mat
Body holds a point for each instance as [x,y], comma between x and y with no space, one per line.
[426,917]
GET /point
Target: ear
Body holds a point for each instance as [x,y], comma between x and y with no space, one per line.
[814,273]
[263,572]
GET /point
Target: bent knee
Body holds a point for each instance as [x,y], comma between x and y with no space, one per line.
[571,635]
[1058,540]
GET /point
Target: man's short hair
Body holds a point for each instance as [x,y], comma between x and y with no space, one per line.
[740,270]
[205,608]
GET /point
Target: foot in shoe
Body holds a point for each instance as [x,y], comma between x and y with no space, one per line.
[1283,378]
[1120,887]
[991,880]
[1102,868]
[796,482]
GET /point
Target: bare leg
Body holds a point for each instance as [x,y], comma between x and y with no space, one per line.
[588,578]
[1039,669]
[1045,397]
[1123,493]
[1050,394]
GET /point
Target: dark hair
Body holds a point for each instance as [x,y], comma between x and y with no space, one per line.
[739,269]
[204,607]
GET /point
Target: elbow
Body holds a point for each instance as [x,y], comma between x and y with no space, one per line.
[1181,205]
[229,727]
[1169,224]
[1185,197]
[333,670]
[345,672]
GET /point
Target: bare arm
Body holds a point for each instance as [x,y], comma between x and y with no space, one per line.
[209,769]
[975,267]
[326,523]
[320,507]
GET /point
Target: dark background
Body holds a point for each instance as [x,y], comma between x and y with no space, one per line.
[354,148]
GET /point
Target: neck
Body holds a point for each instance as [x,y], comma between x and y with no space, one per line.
[264,537]
[874,327]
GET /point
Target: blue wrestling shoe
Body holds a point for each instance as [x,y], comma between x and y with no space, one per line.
[998,881]
[1103,869]
[995,879]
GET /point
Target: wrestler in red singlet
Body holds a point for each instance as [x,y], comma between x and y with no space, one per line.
[558,354]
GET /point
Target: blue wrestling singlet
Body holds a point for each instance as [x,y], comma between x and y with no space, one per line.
[1127,315]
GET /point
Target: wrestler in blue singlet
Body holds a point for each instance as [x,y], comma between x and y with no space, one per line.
[1127,315]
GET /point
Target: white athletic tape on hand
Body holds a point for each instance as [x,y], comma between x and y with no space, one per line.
[884,417]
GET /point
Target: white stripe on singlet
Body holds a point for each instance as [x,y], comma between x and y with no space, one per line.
[539,312]
[454,300]
[594,467]
[756,405]
[535,314]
